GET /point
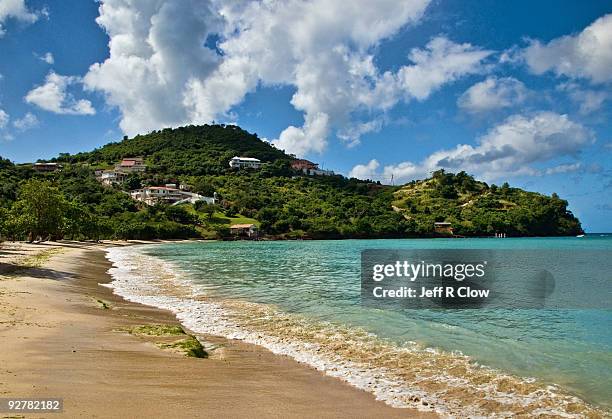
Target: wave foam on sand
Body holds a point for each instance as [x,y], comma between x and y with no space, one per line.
[449,384]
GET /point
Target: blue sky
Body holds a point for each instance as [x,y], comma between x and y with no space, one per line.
[509,91]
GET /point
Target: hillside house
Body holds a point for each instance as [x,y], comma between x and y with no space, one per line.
[168,194]
[46,167]
[131,165]
[309,168]
[303,165]
[443,228]
[244,230]
[112,177]
[244,163]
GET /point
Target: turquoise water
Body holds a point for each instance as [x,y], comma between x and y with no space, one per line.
[320,281]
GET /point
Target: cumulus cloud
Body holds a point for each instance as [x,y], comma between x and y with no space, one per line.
[156,49]
[492,94]
[587,54]
[159,74]
[320,47]
[53,96]
[4,119]
[365,171]
[441,62]
[517,146]
[28,121]
[15,9]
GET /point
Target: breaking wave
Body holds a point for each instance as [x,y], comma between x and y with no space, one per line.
[407,375]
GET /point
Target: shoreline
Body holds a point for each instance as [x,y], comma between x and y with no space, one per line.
[433,237]
[64,336]
[141,282]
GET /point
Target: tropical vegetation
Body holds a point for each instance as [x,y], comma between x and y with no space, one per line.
[284,203]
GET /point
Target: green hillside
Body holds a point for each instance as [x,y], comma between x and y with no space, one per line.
[474,208]
[283,202]
[190,150]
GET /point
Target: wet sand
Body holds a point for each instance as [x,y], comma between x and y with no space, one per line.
[63,335]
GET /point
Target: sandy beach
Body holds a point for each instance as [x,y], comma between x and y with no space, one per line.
[64,335]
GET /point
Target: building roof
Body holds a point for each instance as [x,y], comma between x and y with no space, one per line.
[303,162]
[242,225]
[131,162]
[161,187]
[442,223]
[246,159]
[45,164]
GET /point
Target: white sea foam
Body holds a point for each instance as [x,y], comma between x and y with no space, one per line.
[406,376]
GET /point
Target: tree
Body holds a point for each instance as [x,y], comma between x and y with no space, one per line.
[198,205]
[448,192]
[209,210]
[203,186]
[80,223]
[132,182]
[179,214]
[40,210]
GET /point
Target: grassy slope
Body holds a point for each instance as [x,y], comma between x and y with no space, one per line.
[475,208]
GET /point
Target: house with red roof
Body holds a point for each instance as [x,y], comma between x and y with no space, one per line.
[131,165]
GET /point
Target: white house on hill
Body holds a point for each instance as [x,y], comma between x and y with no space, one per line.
[110,177]
[245,162]
[169,194]
[46,167]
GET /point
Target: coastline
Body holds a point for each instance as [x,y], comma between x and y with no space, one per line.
[152,279]
[65,336]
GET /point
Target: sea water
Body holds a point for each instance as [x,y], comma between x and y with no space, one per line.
[302,299]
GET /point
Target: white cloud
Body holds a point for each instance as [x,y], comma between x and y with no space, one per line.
[53,96]
[492,94]
[46,57]
[564,168]
[585,55]
[365,171]
[28,121]
[159,74]
[320,47]
[152,59]
[4,118]
[312,136]
[588,100]
[441,62]
[15,9]
[352,133]
[517,146]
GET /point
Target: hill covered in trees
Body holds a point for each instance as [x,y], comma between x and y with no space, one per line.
[474,208]
[185,151]
[283,202]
